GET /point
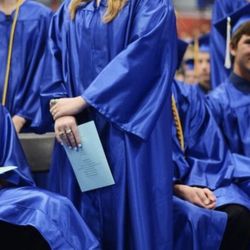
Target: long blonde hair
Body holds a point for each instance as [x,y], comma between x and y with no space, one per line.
[114,7]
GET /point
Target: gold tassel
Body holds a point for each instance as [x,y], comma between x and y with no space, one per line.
[7,73]
[178,125]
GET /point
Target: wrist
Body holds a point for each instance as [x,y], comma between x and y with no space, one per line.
[179,189]
[81,102]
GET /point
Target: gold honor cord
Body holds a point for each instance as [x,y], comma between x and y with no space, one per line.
[7,73]
[177,122]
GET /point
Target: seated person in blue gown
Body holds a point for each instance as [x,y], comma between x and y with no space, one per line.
[202,63]
[20,55]
[203,175]
[31,218]
[221,8]
[196,224]
[207,177]
[230,102]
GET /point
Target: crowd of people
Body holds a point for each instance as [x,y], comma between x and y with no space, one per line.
[175,130]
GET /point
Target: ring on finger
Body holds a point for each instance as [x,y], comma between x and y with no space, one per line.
[68,131]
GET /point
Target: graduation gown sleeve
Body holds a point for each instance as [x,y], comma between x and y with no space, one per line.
[132,87]
[210,166]
[11,152]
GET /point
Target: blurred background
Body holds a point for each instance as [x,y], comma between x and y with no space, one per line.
[193,16]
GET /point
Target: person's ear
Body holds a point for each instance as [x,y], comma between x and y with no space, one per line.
[233,50]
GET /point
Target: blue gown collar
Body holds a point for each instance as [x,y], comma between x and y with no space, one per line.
[26,12]
[240,83]
[202,89]
[4,16]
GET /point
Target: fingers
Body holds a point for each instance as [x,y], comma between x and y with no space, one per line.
[53,110]
[197,201]
[206,197]
[203,197]
[57,114]
[211,206]
[67,132]
[76,136]
[210,195]
[56,111]
[71,137]
[67,106]
[59,134]
[66,137]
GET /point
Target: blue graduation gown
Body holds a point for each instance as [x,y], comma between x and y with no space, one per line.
[203,92]
[21,203]
[28,48]
[197,228]
[229,104]
[206,162]
[124,70]
[217,42]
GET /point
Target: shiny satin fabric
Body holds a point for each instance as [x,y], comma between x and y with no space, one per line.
[221,8]
[28,48]
[229,104]
[206,162]
[197,228]
[124,70]
[206,159]
[23,204]
[11,153]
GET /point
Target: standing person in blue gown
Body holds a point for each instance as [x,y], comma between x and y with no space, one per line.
[32,218]
[230,101]
[23,34]
[221,8]
[208,178]
[117,60]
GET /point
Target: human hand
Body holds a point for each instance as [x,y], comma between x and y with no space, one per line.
[67,132]
[18,122]
[67,106]
[202,197]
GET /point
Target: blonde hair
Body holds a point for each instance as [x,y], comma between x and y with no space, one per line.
[114,7]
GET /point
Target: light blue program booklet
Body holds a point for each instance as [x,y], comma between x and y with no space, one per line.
[89,162]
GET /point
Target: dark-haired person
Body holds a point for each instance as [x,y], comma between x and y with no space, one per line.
[230,102]
[221,9]
[117,60]
[211,210]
